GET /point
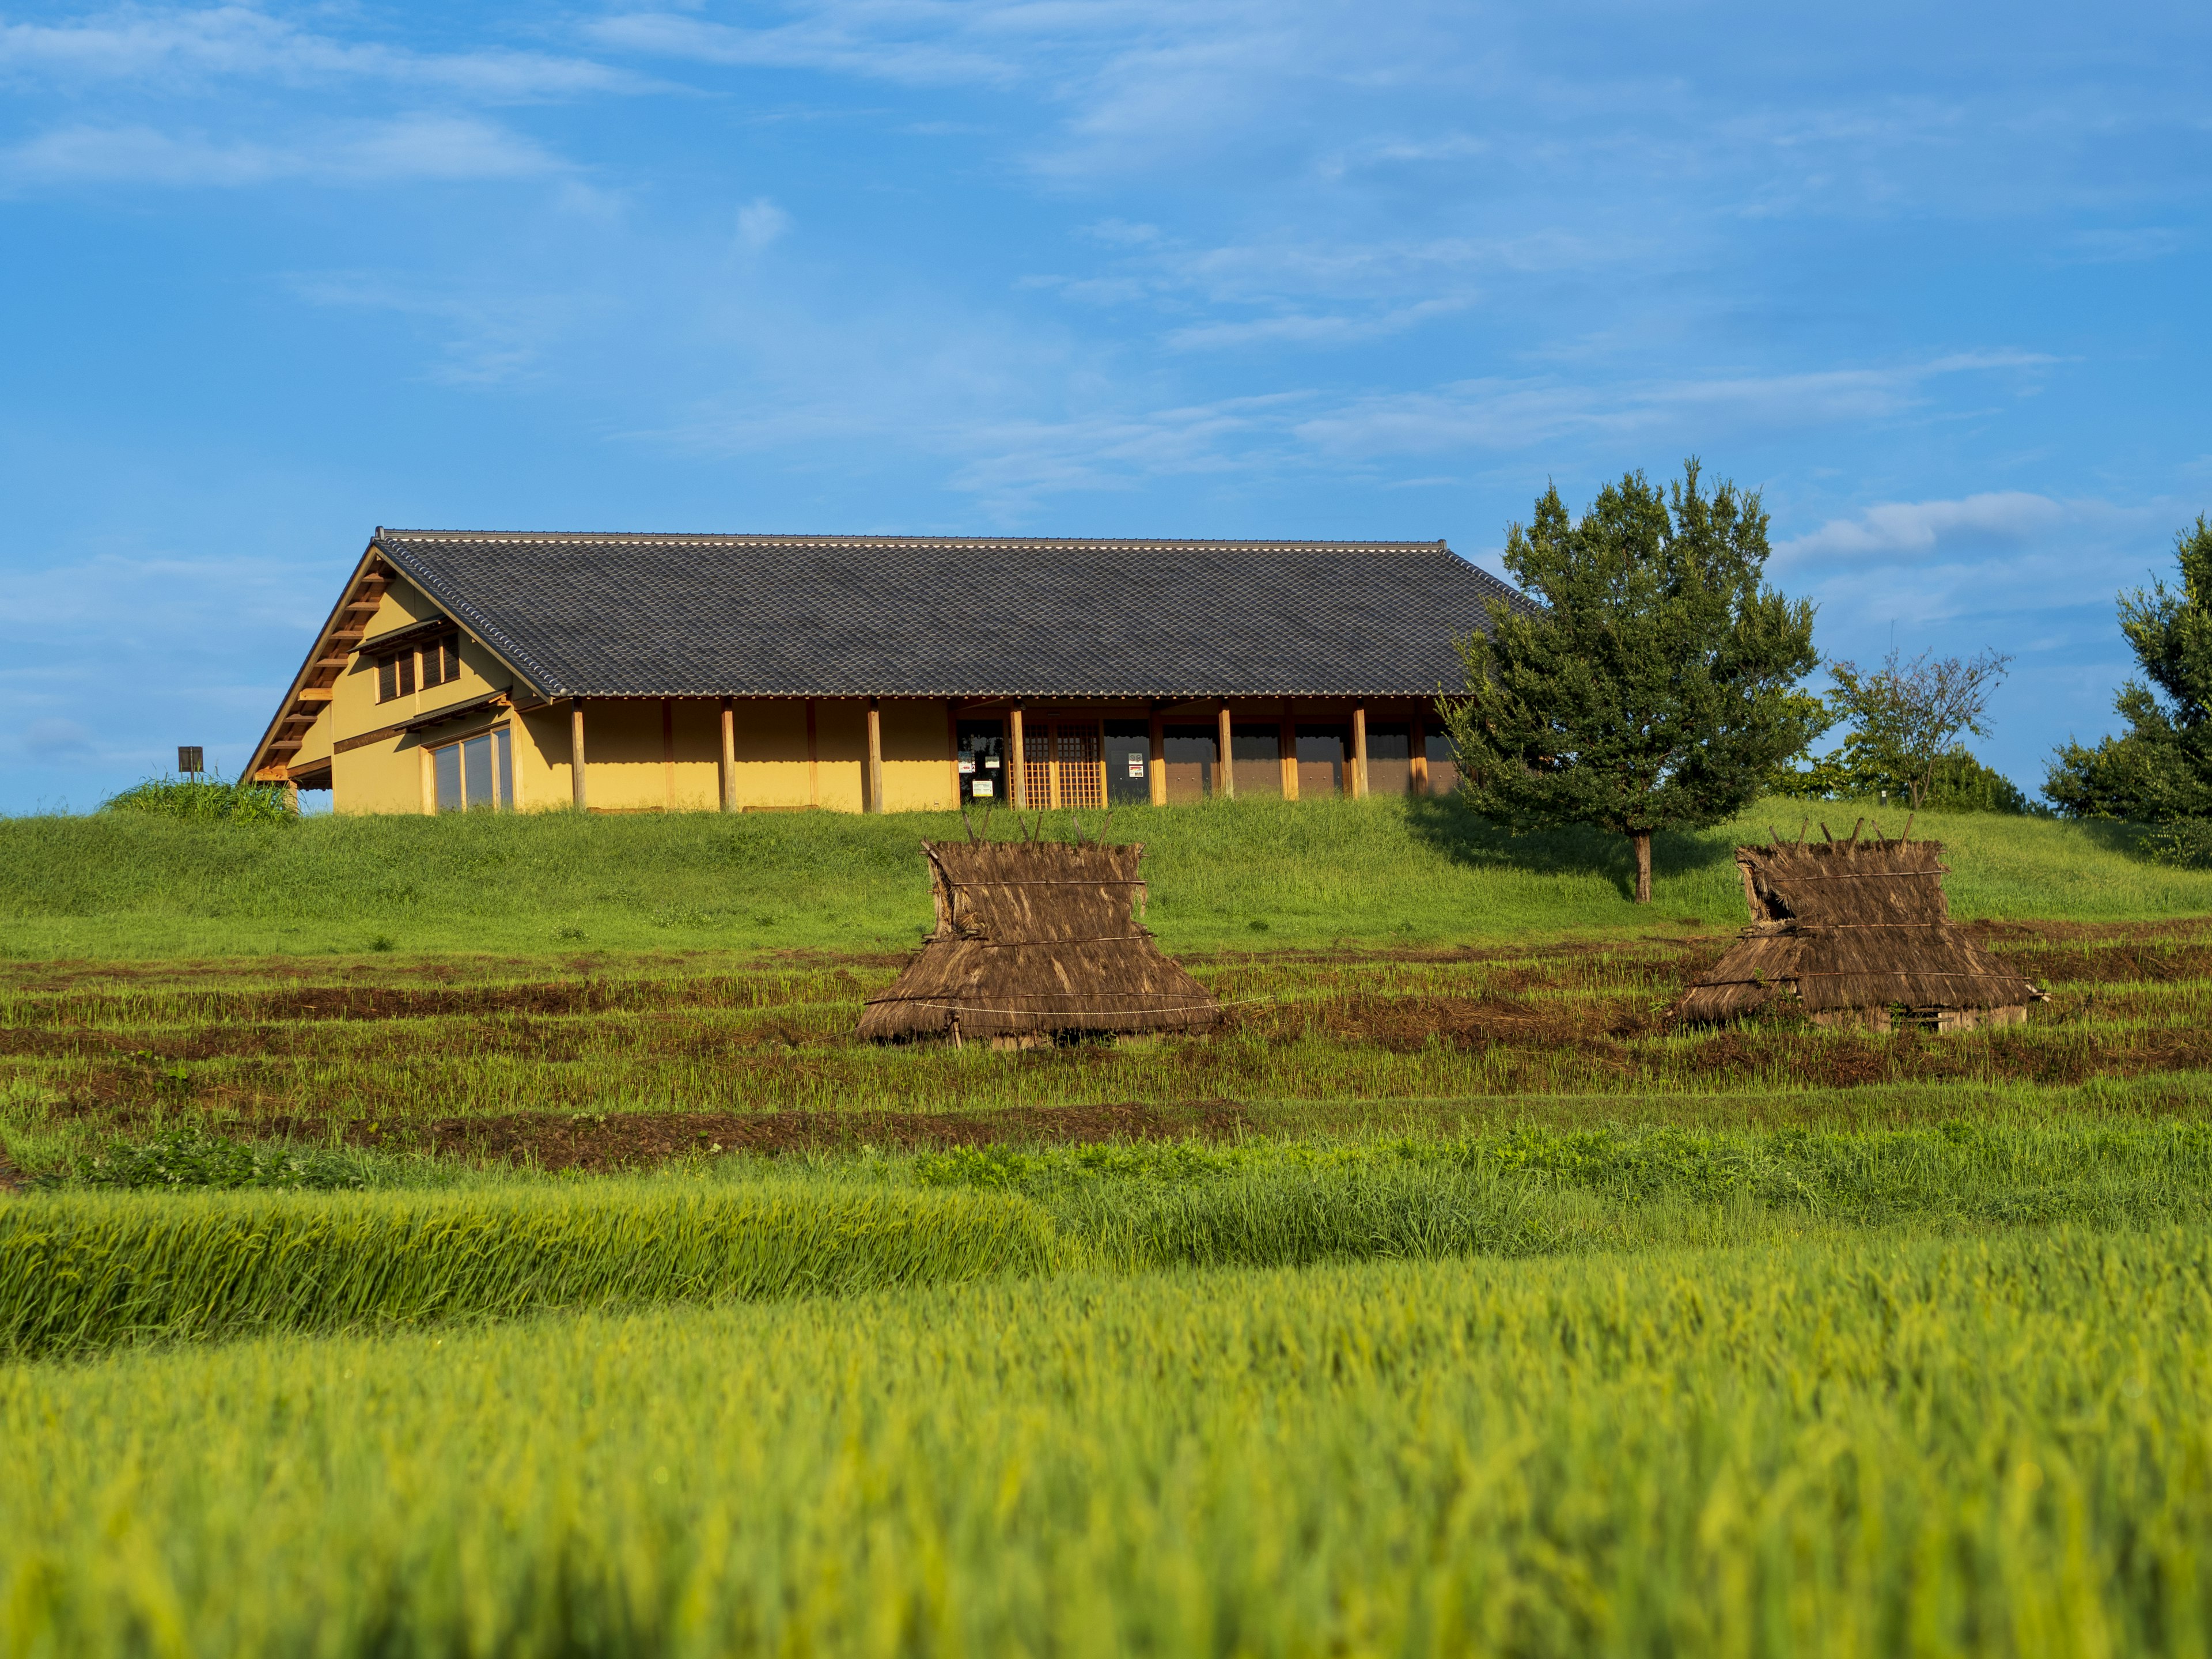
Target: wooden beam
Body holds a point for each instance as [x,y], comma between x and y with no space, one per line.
[729,779]
[576,752]
[1224,770]
[315,693]
[875,801]
[1018,760]
[1418,747]
[1286,742]
[1359,753]
[1157,774]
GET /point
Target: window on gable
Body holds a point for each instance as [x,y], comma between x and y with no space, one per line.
[395,677]
[442,660]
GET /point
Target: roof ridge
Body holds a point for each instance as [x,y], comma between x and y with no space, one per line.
[674,539]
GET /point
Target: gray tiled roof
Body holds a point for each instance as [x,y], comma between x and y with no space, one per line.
[940,617]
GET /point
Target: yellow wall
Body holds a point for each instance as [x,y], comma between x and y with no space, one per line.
[917,756]
[840,740]
[770,738]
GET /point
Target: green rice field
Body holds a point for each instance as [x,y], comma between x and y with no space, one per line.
[485,1237]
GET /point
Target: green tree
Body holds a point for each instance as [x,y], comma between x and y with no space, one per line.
[1906,717]
[2160,770]
[1651,687]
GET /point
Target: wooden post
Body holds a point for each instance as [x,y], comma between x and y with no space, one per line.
[1418,747]
[729,755]
[1224,770]
[1359,791]
[1052,768]
[875,801]
[1286,744]
[1157,776]
[576,751]
[1017,761]
[429,783]
[952,749]
[813,759]
[668,748]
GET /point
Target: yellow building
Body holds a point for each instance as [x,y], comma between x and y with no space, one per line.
[755,673]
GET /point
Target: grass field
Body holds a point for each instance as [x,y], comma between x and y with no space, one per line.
[1222,876]
[1448,1299]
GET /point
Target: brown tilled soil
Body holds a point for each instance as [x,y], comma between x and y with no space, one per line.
[598,1142]
[11,1178]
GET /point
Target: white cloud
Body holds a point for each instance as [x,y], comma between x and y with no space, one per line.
[761,222]
[409,148]
[1302,328]
[849,41]
[182,45]
[1909,530]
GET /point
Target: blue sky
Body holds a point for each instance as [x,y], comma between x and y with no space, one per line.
[1931,278]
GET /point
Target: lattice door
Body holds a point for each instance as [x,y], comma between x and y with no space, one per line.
[1082,766]
[1036,767]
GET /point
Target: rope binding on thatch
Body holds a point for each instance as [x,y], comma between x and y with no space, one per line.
[1852,925]
[1033,939]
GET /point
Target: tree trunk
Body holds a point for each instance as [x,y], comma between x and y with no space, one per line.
[1642,839]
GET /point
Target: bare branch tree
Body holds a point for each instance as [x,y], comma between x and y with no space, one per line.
[1909,713]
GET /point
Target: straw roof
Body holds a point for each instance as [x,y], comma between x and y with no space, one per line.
[1855,924]
[1036,939]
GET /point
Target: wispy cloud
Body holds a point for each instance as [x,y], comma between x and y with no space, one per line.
[181,46]
[1513,414]
[761,222]
[409,148]
[488,339]
[922,44]
[1302,328]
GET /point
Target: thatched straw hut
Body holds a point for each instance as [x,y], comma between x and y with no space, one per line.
[1859,933]
[1036,942]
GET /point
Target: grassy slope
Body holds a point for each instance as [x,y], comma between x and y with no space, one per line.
[1242,873]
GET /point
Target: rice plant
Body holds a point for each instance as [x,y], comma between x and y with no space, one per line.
[1874,1447]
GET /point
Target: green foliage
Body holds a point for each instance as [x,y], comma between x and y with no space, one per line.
[1957,783]
[2185,843]
[205,800]
[1904,717]
[190,1157]
[1854,1447]
[1654,688]
[2160,770]
[1960,783]
[80,1271]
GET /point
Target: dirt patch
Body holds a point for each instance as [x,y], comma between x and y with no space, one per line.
[11,1178]
[598,1142]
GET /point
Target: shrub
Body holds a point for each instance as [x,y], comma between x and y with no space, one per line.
[235,802]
